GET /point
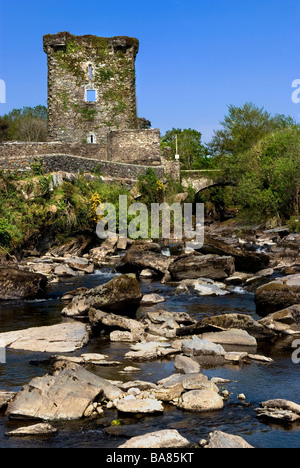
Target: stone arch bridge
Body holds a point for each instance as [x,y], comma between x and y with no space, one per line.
[200,180]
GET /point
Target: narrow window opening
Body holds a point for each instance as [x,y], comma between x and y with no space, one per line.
[91,95]
[90,72]
[91,139]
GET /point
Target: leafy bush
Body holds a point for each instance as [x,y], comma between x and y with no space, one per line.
[5,236]
[267,177]
[36,168]
[151,187]
[294,224]
[28,207]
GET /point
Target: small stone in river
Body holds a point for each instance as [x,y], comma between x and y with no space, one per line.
[37,430]
[241,396]
[203,443]
[99,411]
[130,369]
[134,391]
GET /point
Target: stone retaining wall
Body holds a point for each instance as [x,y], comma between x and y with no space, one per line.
[140,147]
[123,154]
[76,164]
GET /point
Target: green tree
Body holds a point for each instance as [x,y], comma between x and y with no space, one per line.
[26,124]
[150,187]
[243,127]
[4,128]
[193,155]
[267,176]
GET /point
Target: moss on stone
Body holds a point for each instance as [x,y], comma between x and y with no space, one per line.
[71,63]
[86,112]
[63,96]
[104,74]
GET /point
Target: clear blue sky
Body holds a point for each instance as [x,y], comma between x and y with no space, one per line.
[196,57]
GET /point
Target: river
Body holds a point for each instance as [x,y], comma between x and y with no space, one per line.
[259,382]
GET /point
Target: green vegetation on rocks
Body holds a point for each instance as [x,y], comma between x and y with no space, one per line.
[31,205]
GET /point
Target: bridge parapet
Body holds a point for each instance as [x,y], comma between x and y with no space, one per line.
[200,180]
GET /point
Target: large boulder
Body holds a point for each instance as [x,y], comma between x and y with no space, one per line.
[195,266]
[147,351]
[145,406]
[199,347]
[232,337]
[162,316]
[98,318]
[64,337]
[42,429]
[169,438]
[64,394]
[202,287]
[19,284]
[279,410]
[186,365]
[226,322]
[152,299]
[80,264]
[286,321]
[64,271]
[247,261]
[201,400]
[221,440]
[144,256]
[5,398]
[74,248]
[98,255]
[182,382]
[286,251]
[121,294]
[278,295]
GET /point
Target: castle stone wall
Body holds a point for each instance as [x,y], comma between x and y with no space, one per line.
[135,146]
[140,147]
[9,150]
[92,112]
[77,164]
[85,67]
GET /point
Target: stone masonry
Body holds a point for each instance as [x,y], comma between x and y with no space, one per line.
[92,112]
[91,86]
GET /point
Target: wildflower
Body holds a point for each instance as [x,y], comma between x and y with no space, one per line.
[95,203]
[160,186]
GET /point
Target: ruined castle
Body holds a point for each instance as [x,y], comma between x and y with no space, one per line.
[92,112]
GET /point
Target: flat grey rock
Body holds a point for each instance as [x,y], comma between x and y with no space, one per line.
[64,337]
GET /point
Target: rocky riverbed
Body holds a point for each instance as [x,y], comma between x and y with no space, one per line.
[196,346]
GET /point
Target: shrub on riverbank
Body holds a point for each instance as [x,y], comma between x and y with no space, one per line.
[31,204]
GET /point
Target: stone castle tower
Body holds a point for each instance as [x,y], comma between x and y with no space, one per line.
[91,86]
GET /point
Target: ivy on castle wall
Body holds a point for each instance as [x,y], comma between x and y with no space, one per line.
[86,113]
[113,77]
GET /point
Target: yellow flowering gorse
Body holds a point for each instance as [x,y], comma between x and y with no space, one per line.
[160,186]
[95,203]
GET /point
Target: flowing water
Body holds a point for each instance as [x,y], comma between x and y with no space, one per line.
[259,382]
